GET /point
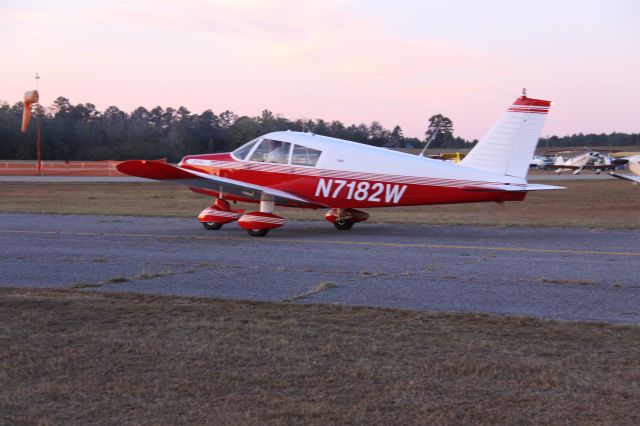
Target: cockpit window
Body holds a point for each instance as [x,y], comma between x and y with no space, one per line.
[242,152]
[303,156]
[272,151]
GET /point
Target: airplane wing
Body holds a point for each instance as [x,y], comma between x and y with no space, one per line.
[168,173]
[603,166]
[632,178]
[562,166]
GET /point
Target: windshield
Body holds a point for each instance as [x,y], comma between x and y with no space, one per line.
[274,151]
[242,152]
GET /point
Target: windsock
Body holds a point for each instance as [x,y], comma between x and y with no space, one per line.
[30,97]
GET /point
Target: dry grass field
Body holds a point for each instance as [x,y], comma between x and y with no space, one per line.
[70,357]
[592,203]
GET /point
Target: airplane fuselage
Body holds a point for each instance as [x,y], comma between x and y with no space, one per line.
[399,179]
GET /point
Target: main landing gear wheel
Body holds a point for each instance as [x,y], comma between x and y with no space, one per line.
[257,232]
[343,224]
[211,226]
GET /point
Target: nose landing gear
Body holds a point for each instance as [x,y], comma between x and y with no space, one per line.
[258,224]
[213,217]
[211,226]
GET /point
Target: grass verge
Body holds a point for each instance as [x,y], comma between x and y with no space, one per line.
[72,357]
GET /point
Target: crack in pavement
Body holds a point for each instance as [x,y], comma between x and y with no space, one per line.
[139,277]
[323,286]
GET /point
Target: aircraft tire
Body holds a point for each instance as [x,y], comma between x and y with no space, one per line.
[211,226]
[257,232]
[343,225]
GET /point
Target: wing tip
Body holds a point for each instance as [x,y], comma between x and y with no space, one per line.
[150,169]
[634,179]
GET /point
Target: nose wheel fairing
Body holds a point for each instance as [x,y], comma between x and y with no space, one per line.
[218,214]
[259,221]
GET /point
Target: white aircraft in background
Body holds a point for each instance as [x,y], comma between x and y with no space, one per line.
[540,162]
[590,160]
[634,167]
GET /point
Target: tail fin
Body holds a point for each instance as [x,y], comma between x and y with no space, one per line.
[559,161]
[509,145]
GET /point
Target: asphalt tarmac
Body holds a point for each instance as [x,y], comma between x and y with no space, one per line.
[554,273]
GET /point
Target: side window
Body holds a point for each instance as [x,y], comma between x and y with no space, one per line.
[303,156]
[271,151]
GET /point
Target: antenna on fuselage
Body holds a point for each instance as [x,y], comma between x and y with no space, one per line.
[431,138]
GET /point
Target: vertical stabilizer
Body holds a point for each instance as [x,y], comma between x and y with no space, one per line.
[509,145]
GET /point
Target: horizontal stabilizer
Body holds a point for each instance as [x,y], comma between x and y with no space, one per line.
[514,188]
[540,187]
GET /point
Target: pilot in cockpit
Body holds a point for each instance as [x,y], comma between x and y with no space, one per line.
[276,152]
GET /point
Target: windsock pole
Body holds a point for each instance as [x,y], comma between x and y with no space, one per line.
[37,78]
[39,154]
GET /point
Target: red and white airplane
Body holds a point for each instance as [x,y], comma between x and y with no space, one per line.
[588,160]
[305,170]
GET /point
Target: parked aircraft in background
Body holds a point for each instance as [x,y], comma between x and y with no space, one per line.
[313,171]
[540,161]
[452,157]
[589,160]
[612,163]
[634,167]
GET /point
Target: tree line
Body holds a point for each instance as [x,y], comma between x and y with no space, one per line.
[81,132]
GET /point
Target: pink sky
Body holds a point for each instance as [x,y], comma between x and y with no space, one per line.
[349,60]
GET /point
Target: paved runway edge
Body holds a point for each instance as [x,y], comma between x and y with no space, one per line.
[566,274]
